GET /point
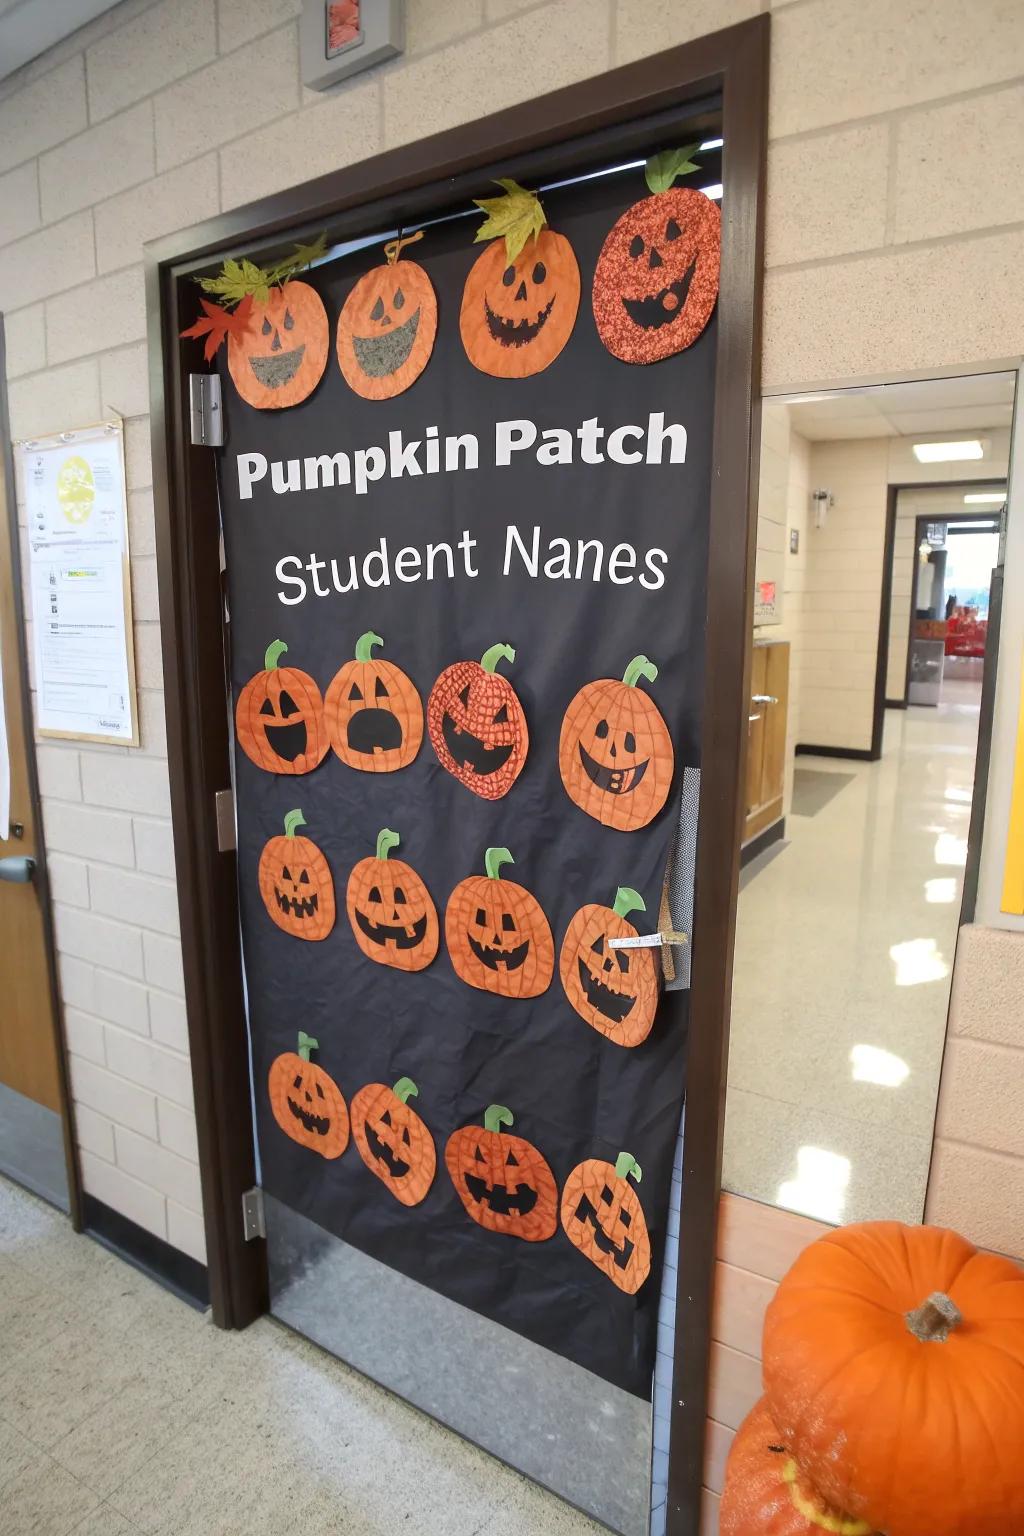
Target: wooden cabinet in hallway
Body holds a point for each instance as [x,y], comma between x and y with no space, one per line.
[766,739]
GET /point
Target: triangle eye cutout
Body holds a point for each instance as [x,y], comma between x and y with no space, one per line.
[355,692]
[511,1161]
[597,947]
[379,690]
[385,1118]
[479,1156]
[501,718]
[464,697]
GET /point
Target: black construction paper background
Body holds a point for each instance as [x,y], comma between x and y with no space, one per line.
[573,1093]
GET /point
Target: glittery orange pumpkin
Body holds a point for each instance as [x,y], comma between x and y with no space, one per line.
[766,1494]
[477,725]
[393,917]
[373,713]
[503,1181]
[614,751]
[393,1141]
[614,990]
[308,1105]
[603,1218]
[279,718]
[280,357]
[497,935]
[387,327]
[296,883]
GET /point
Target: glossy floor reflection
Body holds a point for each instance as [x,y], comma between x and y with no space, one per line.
[844,948]
[124,1411]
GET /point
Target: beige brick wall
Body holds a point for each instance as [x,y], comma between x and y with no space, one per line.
[894,243]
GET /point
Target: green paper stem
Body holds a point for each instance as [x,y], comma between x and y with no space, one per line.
[405,1089]
[386,840]
[662,170]
[275,650]
[365,645]
[494,858]
[624,1164]
[639,667]
[489,660]
[627,900]
[495,1116]
[307,1044]
[292,820]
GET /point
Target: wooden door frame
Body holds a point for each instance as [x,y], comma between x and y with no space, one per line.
[734,64]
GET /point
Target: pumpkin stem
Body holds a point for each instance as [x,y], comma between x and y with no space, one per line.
[495,1116]
[292,820]
[624,1164]
[386,840]
[935,1319]
[661,170]
[275,650]
[639,667]
[404,1089]
[494,858]
[394,248]
[489,660]
[307,1044]
[365,645]
[627,900]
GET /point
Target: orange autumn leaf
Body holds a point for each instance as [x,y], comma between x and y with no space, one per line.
[216,324]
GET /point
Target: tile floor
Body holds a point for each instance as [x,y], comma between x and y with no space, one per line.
[123,1411]
[844,947]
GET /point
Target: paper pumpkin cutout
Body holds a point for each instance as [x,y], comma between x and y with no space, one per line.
[393,1141]
[387,326]
[614,990]
[477,725]
[765,1491]
[296,884]
[392,915]
[614,751]
[522,294]
[656,279]
[603,1218]
[503,1181]
[497,935]
[308,1105]
[373,713]
[279,718]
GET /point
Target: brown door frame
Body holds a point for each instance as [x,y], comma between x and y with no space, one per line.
[734,63]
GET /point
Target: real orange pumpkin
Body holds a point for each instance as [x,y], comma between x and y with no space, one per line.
[766,1494]
[387,326]
[308,1105]
[503,1181]
[477,725]
[497,935]
[603,1218]
[279,718]
[393,917]
[373,713]
[296,883]
[894,1372]
[614,750]
[393,1141]
[614,990]
[280,357]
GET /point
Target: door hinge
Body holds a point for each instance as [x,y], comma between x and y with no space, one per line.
[224,813]
[206,409]
[253,1222]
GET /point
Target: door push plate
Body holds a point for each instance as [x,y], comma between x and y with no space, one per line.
[224,814]
[253,1223]
[206,410]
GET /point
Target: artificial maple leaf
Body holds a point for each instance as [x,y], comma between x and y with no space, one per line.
[217,323]
[302,256]
[662,169]
[516,216]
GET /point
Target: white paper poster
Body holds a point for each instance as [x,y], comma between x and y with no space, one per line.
[81,605]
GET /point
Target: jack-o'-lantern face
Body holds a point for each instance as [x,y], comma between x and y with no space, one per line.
[656,280]
[296,884]
[393,1141]
[497,935]
[477,725]
[279,717]
[393,918]
[614,751]
[373,713]
[503,1181]
[387,327]
[308,1104]
[518,315]
[766,1491]
[280,357]
[615,990]
[602,1216]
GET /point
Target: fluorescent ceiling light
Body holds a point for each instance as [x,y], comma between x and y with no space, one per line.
[984,498]
[714,192]
[990,524]
[948,453]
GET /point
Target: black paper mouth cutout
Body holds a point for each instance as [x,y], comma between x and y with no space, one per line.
[511,959]
[374,730]
[288,741]
[470,750]
[586,1213]
[319,1123]
[277,368]
[397,934]
[298,906]
[650,313]
[613,1005]
[503,1202]
[617,781]
[380,355]
[385,1154]
[516,333]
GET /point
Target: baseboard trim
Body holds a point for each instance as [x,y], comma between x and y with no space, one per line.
[895,703]
[168,1266]
[773,834]
[859,754]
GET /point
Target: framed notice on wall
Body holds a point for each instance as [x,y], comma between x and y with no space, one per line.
[76,509]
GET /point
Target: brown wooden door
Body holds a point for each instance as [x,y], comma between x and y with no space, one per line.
[756,729]
[766,739]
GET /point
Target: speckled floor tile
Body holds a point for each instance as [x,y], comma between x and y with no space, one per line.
[44,1498]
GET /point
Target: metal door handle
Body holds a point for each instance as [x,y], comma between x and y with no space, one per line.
[763,698]
[752,718]
[19,871]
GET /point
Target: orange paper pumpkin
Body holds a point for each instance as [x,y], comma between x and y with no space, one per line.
[392,915]
[374,714]
[477,725]
[387,326]
[603,1218]
[503,1181]
[393,1141]
[308,1104]
[280,357]
[894,1372]
[296,884]
[614,752]
[614,990]
[766,1494]
[279,718]
[656,280]
[497,935]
